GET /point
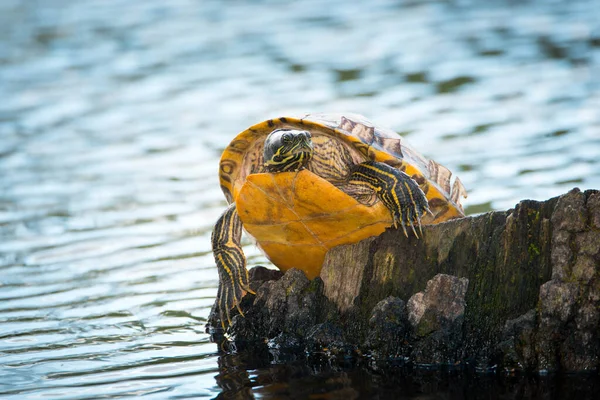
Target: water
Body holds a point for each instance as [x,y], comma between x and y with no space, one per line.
[113,117]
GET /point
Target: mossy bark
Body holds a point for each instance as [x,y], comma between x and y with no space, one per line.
[518,288]
[507,257]
[504,255]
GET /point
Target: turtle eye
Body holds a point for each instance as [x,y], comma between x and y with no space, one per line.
[286,138]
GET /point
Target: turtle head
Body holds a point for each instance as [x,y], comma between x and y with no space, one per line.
[287,150]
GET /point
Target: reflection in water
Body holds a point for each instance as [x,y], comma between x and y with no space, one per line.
[233,378]
[244,376]
[114,114]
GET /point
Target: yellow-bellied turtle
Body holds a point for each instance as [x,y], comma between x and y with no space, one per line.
[301,186]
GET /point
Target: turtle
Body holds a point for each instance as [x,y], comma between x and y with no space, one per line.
[302,185]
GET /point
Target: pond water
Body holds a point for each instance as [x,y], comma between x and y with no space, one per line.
[114,114]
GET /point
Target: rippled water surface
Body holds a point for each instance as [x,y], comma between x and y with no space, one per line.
[114,114]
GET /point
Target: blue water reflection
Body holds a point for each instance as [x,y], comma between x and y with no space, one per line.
[114,114]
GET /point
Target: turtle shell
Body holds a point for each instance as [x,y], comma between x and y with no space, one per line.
[306,213]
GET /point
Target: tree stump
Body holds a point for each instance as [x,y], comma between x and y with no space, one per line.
[518,289]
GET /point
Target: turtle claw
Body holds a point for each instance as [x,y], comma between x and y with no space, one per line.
[412,204]
[399,221]
[223,309]
[403,227]
[229,297]
[231,265]
[414,231]
[403,220]
[399,192]
[227,313]
[412,219]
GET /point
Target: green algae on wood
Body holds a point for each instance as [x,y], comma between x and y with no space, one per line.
[515,289]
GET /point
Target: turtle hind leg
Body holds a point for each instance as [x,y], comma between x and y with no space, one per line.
[231,264]
[398,191]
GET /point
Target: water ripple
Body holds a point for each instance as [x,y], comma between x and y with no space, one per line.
[115,114]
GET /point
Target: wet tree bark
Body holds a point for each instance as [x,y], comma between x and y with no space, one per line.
[516,289]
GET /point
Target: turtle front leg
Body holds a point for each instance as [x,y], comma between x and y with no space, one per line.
[398,191]
[231,263]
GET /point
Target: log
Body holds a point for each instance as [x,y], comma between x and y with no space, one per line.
[516,289]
